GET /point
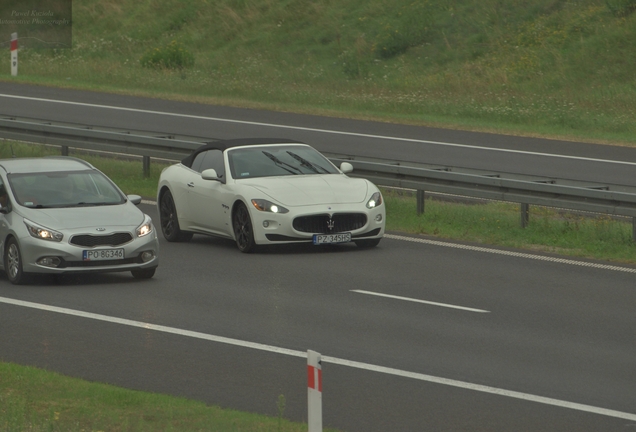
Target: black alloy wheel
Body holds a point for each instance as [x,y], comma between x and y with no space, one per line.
[169,221]
[243,232]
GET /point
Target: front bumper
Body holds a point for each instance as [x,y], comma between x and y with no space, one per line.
[140,253]
[274,228]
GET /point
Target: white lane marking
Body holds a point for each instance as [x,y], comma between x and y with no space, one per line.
[420,301]
[510,253]
[272,125]
[327,359]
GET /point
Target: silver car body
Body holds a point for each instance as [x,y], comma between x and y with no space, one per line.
[321,201]
[57,233]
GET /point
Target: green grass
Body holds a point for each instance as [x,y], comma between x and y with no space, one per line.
[499,223]
[541,67]
[36,400]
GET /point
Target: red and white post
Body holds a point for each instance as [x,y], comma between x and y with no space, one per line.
[314,391]
[14,54]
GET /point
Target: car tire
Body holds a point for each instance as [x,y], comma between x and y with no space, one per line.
[369,243]
[143,273]
[169,220]
[13,263]
[243,229]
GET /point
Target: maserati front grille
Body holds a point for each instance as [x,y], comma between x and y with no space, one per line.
[324,223]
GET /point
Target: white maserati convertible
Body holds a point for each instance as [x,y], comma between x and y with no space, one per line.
[265,191]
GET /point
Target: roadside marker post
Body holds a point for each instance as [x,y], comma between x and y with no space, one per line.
[314,391]
[14,54]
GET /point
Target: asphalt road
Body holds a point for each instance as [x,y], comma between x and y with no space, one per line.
[507,328]
[461,337]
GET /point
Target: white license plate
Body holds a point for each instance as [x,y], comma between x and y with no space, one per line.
[331,238]
[103,254]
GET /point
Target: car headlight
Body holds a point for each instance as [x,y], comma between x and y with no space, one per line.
[145,228]
[375,200]
[267,206]
[43,233]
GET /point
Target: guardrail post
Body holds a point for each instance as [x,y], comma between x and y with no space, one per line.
[314,391]
[420,202]
[146,162]
[525,215]
[14,54]
[64,150]
[634,229]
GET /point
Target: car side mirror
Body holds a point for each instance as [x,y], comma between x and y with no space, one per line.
[346,167]
[4,209]
[135,199]
[210,174]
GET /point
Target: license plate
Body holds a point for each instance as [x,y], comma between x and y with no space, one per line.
[103,254]
[331,238]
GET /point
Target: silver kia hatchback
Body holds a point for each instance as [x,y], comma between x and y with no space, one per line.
[62,215]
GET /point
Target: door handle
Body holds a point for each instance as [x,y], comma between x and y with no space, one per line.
[191,184]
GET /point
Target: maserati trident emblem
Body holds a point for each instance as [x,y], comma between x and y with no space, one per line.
[330,224]
[100,229]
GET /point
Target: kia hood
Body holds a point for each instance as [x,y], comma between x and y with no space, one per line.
[120,216]
[311,189]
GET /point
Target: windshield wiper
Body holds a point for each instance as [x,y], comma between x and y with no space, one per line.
[282,164]
[305,162]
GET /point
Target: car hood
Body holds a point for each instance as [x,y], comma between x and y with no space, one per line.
[312,189]
[121,215]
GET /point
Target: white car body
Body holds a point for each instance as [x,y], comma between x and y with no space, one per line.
[291,192]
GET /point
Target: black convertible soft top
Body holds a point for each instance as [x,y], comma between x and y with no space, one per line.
[226,144]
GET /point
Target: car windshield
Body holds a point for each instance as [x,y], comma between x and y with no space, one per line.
[64,189]
[268,161]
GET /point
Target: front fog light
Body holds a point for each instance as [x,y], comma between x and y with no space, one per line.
[49,262]
[265,224]
[147,256]
[378,218]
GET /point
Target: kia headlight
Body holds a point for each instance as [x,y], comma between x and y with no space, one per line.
[145,228]
[267,206]
[375,200]
[43,233]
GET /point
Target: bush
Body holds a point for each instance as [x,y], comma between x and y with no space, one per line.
[172,56]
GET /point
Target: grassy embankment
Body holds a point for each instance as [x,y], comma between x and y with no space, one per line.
[540,67]
[34,400]
[543,68]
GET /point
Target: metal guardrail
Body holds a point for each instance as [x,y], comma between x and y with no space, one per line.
[523,189]
[68,135]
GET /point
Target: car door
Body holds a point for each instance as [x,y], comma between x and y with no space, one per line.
[5,217]
[206,197]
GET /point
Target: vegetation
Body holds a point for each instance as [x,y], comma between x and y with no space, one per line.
[36,400]
[539,67]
